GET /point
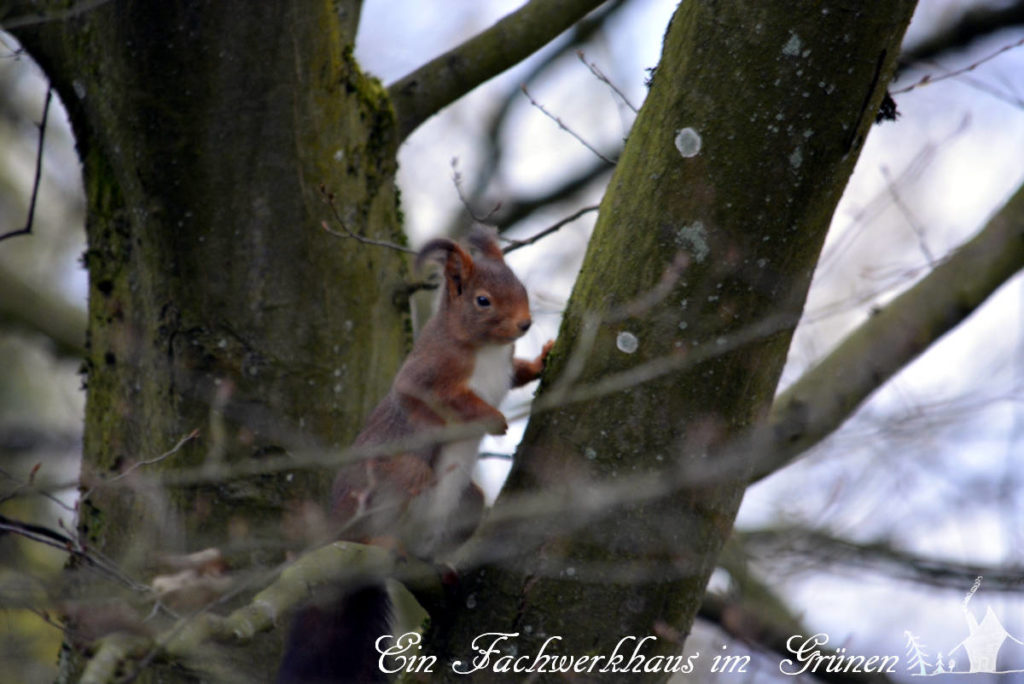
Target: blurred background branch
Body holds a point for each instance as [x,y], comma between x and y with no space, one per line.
[444,79]
[27,309]
[973,23]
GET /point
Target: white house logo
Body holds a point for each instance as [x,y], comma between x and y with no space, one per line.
[980,648]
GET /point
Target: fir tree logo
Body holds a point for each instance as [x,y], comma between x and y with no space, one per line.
[917,655]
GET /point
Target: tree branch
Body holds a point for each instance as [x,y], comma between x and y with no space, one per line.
[339,563]
[754,615]
[561,124]
[880,556]
[600,75]
[328,198]
[27,229]
[433,86]
[819,402]
[516,209]
[516,244]
[975,23]
[578,36]
[24,307]
[48,537]
[928,79]
[801,417]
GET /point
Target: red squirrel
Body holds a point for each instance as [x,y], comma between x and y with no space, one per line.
[422,501]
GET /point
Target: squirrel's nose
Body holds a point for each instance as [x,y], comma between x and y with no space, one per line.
[525,324]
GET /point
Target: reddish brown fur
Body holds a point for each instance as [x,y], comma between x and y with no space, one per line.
[400,500]
[431,388]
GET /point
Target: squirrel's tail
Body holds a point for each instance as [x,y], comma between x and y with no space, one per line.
[334,642]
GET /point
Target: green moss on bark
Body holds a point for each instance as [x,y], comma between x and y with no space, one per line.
[217,302]
[697,247]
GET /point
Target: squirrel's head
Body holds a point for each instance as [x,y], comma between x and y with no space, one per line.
[482,300]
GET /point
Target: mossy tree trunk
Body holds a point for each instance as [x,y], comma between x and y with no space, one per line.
[216,300]
[707,238]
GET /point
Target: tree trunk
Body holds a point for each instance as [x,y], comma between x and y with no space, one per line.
[699,265]
[216,300]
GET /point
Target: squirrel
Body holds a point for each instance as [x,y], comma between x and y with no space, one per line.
[422,500]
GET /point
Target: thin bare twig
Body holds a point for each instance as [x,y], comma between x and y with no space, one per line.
[37,533]
[149,461]
[457,180]
[48,537]
[802,416]
[16,52]
[45,617]
[646,301]
[422,93]
[664,365]
[912,221]
[29,487]
[329,201]
[39,171]
[592,321]
[156,459]
[1002,95]
[795,540]
[515,209]
[815,405]
[928,78]
[66,540]
[516,244]
[604,79]
[563,126]
[578,35]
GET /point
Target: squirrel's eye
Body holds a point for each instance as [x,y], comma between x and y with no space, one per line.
[483,300]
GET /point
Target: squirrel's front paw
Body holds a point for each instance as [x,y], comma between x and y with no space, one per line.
[543,356]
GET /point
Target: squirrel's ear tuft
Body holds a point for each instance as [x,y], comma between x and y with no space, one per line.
[484,239]
[437,249]
[458,265]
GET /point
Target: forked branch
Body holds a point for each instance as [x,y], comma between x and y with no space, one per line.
[27,228]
